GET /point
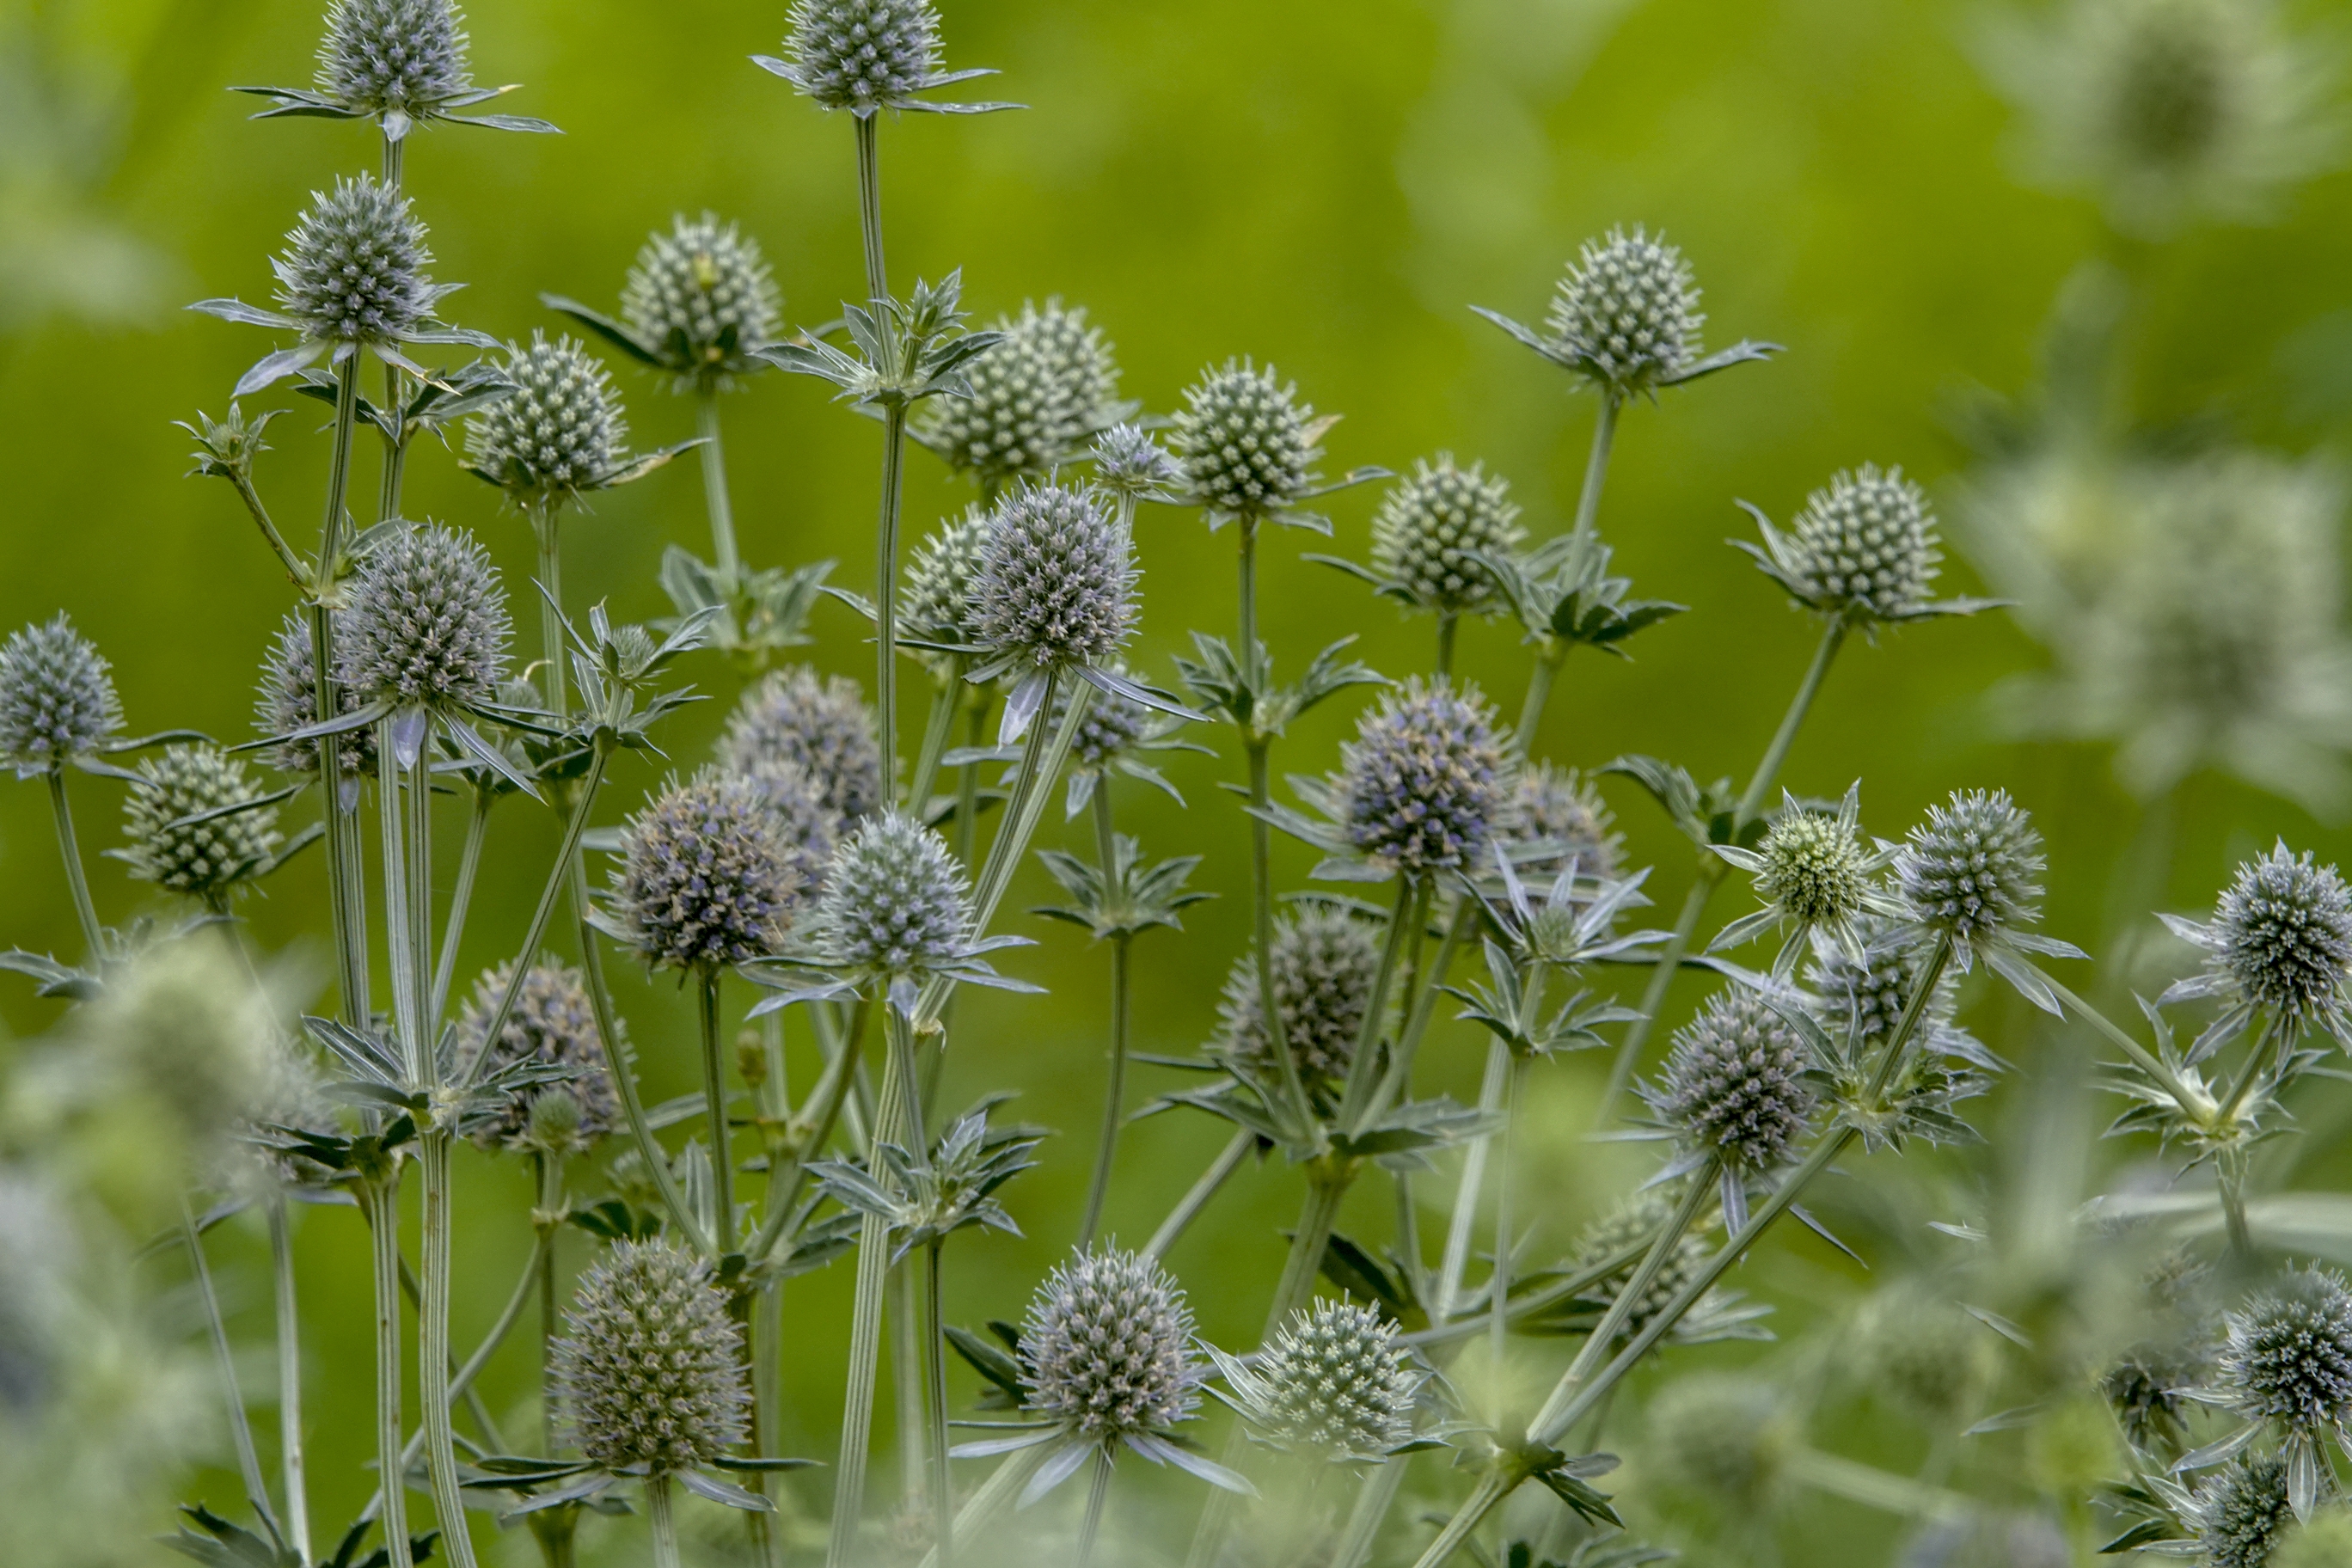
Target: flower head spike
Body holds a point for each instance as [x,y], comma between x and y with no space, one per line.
[1132,466]
[1046,388]
[56,699]
[1864,549]
[398,62]
[2280,942]
[2287,1364]
[1433,532]
[1737,1088]
[427,623]
[551,1026]
[2240,1515]
[1325,960]
[705,880]
[1815,872]
[1560,809]
[1420,790]
[1970,874]
[896,910]
[1333,1382]
[194,824]
[865,56]
[1247,445]
[558,433]
[935,599]
[699,303]
[819,724]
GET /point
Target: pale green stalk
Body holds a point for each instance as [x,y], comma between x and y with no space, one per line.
[433,1355]
[1448,622]
[714,1102]
[76,880]
[249,1462]
[289,1376]
[935,1400]
[346,894]
[1261,835]
[1188,1207]
[1456,1260]
[945,699]
[994,1496]
[664,1526]
[865,1332]
[886,579]
[1498,1285]
[380,1203]
[1115,1091]
[1098,1491]
[870,208]
[714,484]
[625,1088]
[461,901]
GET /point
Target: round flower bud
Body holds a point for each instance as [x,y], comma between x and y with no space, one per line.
[1056,579]
[552,1024]
[2325,1542]
[1112,724]
[1426,780]
[806,824]
[1429,525]
[559,432]
[427,620]
[1868,997]
[2283,932]
[1036,395]
[704,880]
[2241,1512]
[1627,311]
[57,701]
[385,56]
[202,859]
[1735,1082]
[286,701]
[702,299]
[1969,868]
[1108,1346]
[1244,441]
[1636,1222]
[650,1364]
[862,54]
[1816,868]
[353,268]
[1128,463]
[1337,1381]
[1865,545]
[1559,804]
[935,600]
[2289,1354]
[1724,1436]
[895,901]
[819,724]
[1325,961]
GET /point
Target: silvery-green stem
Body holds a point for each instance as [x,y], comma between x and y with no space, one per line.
[76,880]
[935,1400]
[2256,1055]
[1378,1493]
[1447,622]
[249,1462]
[1098,1491]
[714,1102]
[625,1088]
[550,613]
[1549,655]
[714,484]
[1596,466]
[869,207]
[664,1526]
[461,901]
[945,699]
[1262,834]
[865,1325]
[391,831]
[913,1424]
[886,579]
[346,901]
[1405,923]
[380,1203]
[289,1376]
[967,831]
[549,1168]
[1459,1232]
[994,1495]
[1188,1207]
[433,1355]
[811,1130]
[1397,1081]
[1115,1091]
[767,1401]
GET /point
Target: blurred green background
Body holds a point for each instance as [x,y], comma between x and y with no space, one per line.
[1326,187]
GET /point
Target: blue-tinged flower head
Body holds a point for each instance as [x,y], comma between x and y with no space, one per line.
[702,298]
[2280,940]
[1325,960]
[2240,1514]
[2289,1355]
[1056,581]
[426,621]
[1735,1083]
[382,57]
[819,724]
[1430,525]
[935,600]
[1560,806]
[895,902]
[1046,386]
[807,822]
[552,1024]
[202,859]
[286,699]
[1334,1381]
[1627,311]
[651,1363]
[705,879]
[1107,1349]
[863,54]
[56,700]
[353,268]
[1970,870]
[1246,442]
[1131,464]
[1426,781]
[559,431]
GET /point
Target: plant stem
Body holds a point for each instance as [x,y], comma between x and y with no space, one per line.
[550,1171]
[810,1131]
[714,1101]
[866,1329]
[1405,923]
[1596,468]
[664,1526]
[1447,621]
[76,880]
[346,897]
[714,484]
[380,1203]
[945,699]
[433,1355]
[289,1376]
[461,901]
[870,208]
[967,819]
[1498,1284]
[1456,1261]
[249,1462]
[1098,1491]
[1261,832]
[886,578]
[550,607]
[1004,1484]
[1114,1092]
[1396,1083]
[2255,1055]
[625,1088]
[1188,1207]
[1549,655]
[1381,1485]
[935,1400]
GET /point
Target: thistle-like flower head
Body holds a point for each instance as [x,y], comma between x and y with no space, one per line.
[427,621]
[1333,1382]
[385,57]
[1111,724]
[895,902]
[1864,547]
[1551,804]
[1131,465]
[1736,1084]
[1056,586]
[56,700]
[819,724]
[865,56]
[1426,780]
[2289,1355]
[806,823]
[651,1363]
[700,297]
[1038,394]
[2240,1513]
[1107,1349]
[1246,442]
[558,433]
[353,268]
[1429,526]
[1626,312]
[705,880]
[2280,941]
[553,1025]
[286,699]
[203,859]
[1634,1223]
[1325,961]
[1815,871]
[1971,868]
[935,600]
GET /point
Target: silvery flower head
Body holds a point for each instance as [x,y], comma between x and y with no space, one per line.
[865,56]
[1133,466]
[700,299]
[1056,587]
[552,1024]
[1814,871]
[353,268]
[1038,394]
[2280,942]
[1971,869]
[1246,442]
[559,431]
[1107,1356]
[1111,724]
[385,57]
[1555,805]
[56,700]
[1325,960]
[2288,1358]
[704,880]
[819,724]
[2240,1513]
[426,623]
[1626,312]
[1635,1223]
[206,859]
[286,699]
[1425,781]
[935,599]
[895,902]
[1334,1382]
[1737,1088]
[1430,527]
[1864,549]
[806,823]
[650,1364]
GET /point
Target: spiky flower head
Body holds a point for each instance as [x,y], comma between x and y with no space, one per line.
[1246,442]
[1627,311]
[551,1025]
[1431,523]
[935,600]
[203,859]
[1725,1436]
[558,432]
[1325,961]
[1111,725]
[1044,389]
[1816,867]
[1971,869]
[1554,804]
[650,1364]
[806,823]
[2281,938]
[701,298]
[1864,546]
[818,723]
[1426,780]
[895,902]
[1735,1085]
[2148,1389]
[56,700]
[427,620]
[286,699]
[1056,579]
[1107,1347]
[705,880]
[863,54]
[2240,1511]
[353,266]
[2289,1354]
[386,56]
[1863,992]
[1635,1223]
[1335,1380]
[1131,464]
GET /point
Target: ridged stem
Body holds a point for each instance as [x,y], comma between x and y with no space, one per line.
[886,578]
[1097,1492]
[380,1203]
[1188,1207]
[625,1088]
[1447,622]
[346,899]
[946,698]
[289,1376]
[934,1401]
[433,1390]
[461,901]
[715,498]
[994,1496]
[1550,654]
[1455,1262]
[665,1523]
[249,1462]
[1261,832]
[1596,468]
[77,879]
[869,207]
[1115,1087]
[864,1332]
[1374,1500]
[551,608]
[714,1103]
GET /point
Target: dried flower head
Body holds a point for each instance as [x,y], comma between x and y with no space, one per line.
[57,700]
[1334,1381]
[385,56]
[2240,1513]
[427,621]
[1735,1085]
[863,54]
[1626,312]
[1426,780]
[203,859]
[1246,442]
[353,268]
[1430,525]
[820,724]
[1107,1349]
[551,1025]
[1971,869]
[700,297]
[1560,806]
[895,902]
[2280,941]
[1038,394]
[286,699]
[705,880]
[1864,547]
[1725,1436]
[558,432]
[1325,960]
[1056,581]
[935,600]
[651,1363]
[2289,1354]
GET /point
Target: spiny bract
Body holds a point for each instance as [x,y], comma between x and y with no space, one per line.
[1558,805]
[818,723]
[2283,932]
[551,1025]
[1338,1380]
[1056,579]
[1627,311]
[202,859]
[1108,1346]
[353,266]
[895,901]
[383,56]
[1734,1084]
[2289,1355]
[1244,441]
[1324,963]
[1426,780]
[427,620]
[285,700]
[702,298]
[1865,545]
[1971,869]
[1036,396]
[1428,527]
[650,1364]
[863,54]
[558,432]
[56,700]
[704,880]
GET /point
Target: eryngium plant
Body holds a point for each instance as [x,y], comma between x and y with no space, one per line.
[57,698]
[700,299]
[1333,1382]
[1324,963]
[650,1364]
[819,724]
[552,1025]
[286,701]
[704,882]
[557,433]
[184,828]
[1431,530]
[1038,397]
[1425,781]
[1246,443]
[427,622]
